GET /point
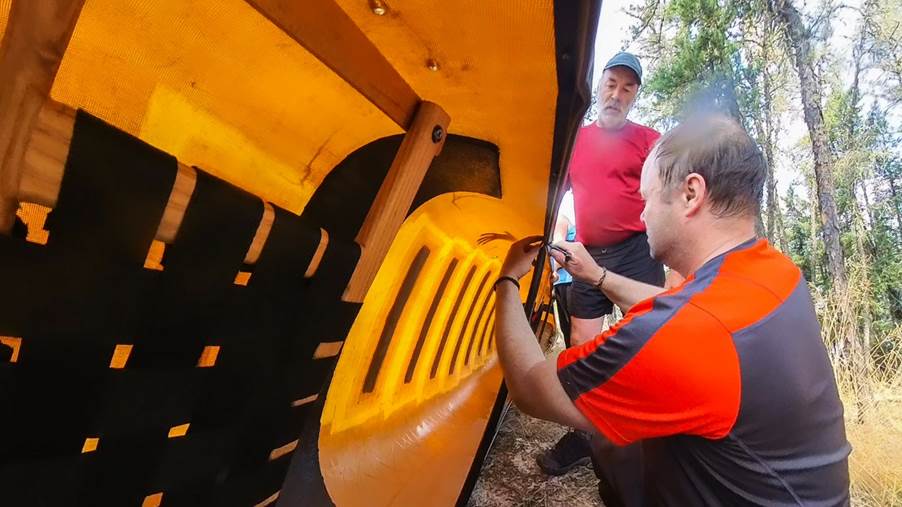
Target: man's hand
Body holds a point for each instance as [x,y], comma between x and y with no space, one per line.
[580,265]
[521,256]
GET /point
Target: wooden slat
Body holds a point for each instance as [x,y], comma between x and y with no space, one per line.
[182,190]
[45,156]
[324,29]
[318,254]
[396,195]
[269,216]
[37,34]
[327,349]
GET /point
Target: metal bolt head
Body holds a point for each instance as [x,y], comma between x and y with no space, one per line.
[432,65]
[438,133]
[378,7]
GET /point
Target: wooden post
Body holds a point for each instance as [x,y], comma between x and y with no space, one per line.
[37,34]
[422,143]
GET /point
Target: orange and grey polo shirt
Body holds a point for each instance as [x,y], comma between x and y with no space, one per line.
[727,383]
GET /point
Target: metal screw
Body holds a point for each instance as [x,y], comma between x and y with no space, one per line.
[378,7]
[432,65]
[437,134]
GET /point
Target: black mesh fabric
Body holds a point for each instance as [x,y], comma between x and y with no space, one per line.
[75,298]
[72,300]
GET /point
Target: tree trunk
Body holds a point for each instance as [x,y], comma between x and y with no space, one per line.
[781,231]
[814,260]
[773,204]
[861,350]
[866,206]
[892,189]
[854,105]
[800,45]
[767,208]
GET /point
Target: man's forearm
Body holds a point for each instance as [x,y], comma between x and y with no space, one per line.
[531,378]
[626,292]
[518,349]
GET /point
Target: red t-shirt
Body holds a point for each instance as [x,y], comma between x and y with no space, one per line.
[604,174]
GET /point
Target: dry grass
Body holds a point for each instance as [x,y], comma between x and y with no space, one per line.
[868,372]
[872,397]
[511,477]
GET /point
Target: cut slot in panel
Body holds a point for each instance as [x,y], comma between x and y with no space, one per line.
[304,401]
[269,500]
[327,349]
[154,258]
[480,324]
[153,500]
[242,278]
[427,322]
[90,444]
[34,216]
[15,344]
[179,431]
[465,326]
[318,254]
[120,356]
[453,315]
[208,356]
[391,321]
[491,331]
[278,452]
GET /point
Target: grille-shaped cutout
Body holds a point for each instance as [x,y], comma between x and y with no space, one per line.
[450,323]
[427,322]
[391,321]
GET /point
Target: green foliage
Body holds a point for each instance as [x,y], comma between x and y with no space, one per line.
[698,63]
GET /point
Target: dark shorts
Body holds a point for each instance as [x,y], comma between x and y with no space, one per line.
[631,259]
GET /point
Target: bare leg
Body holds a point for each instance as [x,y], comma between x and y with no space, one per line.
[584,330]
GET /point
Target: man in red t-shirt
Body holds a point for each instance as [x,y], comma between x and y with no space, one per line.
[604,174]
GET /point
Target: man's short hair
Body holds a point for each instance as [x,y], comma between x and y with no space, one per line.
[719,149]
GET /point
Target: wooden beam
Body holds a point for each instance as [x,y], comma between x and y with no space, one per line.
[326,31]
[422,143]
[44,163]
[37,34]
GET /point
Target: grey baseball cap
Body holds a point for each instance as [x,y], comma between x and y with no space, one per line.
[628,60]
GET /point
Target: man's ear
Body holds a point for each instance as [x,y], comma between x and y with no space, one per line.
[695,192]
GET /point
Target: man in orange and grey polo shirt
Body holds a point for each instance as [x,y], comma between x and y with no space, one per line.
[725,379]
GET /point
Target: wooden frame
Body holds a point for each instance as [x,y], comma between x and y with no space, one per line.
[324,29]
[35,132]
[421,144]
[37,34]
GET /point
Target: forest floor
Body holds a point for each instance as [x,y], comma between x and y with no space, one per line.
[511,478]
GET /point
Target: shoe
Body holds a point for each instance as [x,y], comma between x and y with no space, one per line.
[571,451]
